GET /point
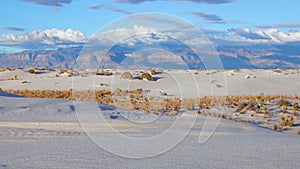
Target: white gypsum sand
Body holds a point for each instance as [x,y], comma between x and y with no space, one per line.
[45,133]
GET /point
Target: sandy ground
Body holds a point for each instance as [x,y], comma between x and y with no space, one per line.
[46,133]
[48,138]
[177,82]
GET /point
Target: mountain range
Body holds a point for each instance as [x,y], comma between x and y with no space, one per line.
[232,57]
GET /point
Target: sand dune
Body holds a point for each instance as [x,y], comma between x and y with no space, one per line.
[46,133]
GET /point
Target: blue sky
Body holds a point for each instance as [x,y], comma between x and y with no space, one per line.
[240,18]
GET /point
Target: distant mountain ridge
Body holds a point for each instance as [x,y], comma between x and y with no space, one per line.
[237,57]
[60,58]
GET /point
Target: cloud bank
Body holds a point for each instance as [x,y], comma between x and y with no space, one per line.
[268,36]
[51,38]
[57,38]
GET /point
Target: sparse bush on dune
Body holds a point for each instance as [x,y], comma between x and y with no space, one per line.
[146,76]
[205,102]
[284,102]
[295,109]
[25,82]
[246,106]
[62,71]
[31,71]
[290,122]
[104,72]
[282,122]
[266,110]
[276,127]
[241,106]
[152,72]
[140,100]
[173,104]
[277,71]
[117,91]
[6,69]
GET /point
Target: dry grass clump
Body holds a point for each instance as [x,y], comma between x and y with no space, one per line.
[205,102]
[146,76]
[246,106]
[127,76]
[284,102]
[173,104]
[101,96]
[68,72]
[6,69]
[142,100]
[295,109]
[276,127]
[15,78]
[62,71]
[117,91]
[284,122]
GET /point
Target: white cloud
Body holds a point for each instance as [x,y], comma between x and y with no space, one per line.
[268,36]
[49,38]
[131,36]
[55,38]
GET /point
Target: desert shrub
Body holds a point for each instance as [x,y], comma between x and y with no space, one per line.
[295,113]
[146,76]
[290,122]
[277,71]
[246,106]
[241,106]
[275,127]
[104,73]
[152,72]
[295,106]
[25,82]
[284,108]
[224,116]
[284,102]
[266,110]
[117,91]
[172,104]
[127,76]
[282,122]
[218,85]
[31,71]
[259,97]
[62,71]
